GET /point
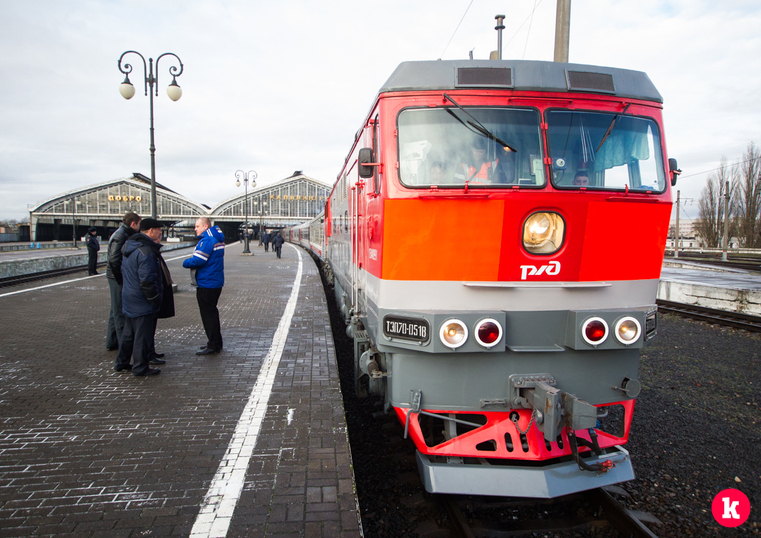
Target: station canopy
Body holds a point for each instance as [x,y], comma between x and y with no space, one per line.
[292,200]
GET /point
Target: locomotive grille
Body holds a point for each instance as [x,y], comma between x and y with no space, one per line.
[485,76]
[583,80]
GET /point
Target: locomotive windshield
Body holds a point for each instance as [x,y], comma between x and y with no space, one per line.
[451,147]
[605,151]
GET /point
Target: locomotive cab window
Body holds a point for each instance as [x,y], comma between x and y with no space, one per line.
[480,147]
[605,151]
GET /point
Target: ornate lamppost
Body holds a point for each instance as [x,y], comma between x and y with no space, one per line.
[240,174]
[128,90]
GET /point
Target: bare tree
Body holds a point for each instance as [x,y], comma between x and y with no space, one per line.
[748,207]
[710,225]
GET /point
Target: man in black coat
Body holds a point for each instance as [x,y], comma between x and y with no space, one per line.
[277,243]
[166,310]
[130,225]
[93,246]
[142,295]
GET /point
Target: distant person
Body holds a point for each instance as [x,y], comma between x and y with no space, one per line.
[277,243]
[581,179]
[129,226]
[142,295]
[93,246]
[478,168]
[266,241]
[208,260]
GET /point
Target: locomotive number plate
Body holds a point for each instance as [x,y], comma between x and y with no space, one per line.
[417,330]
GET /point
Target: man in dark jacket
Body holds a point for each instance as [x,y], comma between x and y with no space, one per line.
[166,310]
[93,246]
[277,243]
[266,241]
[142,295]
[208,260]
[130,225]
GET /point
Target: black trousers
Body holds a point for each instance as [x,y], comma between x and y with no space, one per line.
[136,342]
[92,261]
[116,317]
[207,303]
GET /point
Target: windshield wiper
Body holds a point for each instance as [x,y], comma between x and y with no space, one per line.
[612,126]
[478,126]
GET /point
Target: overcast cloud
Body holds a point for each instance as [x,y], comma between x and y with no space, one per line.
[282,86]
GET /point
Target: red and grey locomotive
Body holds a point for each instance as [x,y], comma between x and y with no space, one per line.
[496,236]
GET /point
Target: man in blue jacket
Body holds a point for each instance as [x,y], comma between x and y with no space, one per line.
[142,294]
[208,260]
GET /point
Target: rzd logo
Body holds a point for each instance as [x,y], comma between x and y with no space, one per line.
[552,268]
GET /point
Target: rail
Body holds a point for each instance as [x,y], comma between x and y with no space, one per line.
[712,315]
[595,509]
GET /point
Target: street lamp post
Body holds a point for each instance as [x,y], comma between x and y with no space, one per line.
[252,175]
[128,90]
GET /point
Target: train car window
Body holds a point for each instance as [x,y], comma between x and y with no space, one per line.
[447,148]
[605,151]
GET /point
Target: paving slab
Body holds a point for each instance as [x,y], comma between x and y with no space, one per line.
[86,451]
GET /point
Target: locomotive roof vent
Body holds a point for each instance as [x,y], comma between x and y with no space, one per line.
[495,77]
[586,81]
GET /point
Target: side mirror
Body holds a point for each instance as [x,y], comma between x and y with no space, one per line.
[674,171]
[365,156]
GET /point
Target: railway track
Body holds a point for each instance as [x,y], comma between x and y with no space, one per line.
[736,262]
[712,315]
[594,511]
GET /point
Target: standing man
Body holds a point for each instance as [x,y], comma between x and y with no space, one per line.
[130,225]
[209,262]
[142,295]
[167,302]
[277,243]
[93,246]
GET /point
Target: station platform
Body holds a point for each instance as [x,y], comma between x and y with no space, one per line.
[250,442]
[733,290]
[29,261]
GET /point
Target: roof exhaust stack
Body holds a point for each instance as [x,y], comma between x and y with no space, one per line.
[497,54]
[562,31]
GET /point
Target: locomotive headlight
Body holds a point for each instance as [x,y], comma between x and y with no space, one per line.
[628,330]
[594,331]
[453,333]
[488,332]
[543,233]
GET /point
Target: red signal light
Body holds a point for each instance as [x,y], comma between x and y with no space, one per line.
[488,332]
[595,331]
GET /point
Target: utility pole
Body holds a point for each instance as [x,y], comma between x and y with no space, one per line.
[725,239]
[676,239]
[562,30]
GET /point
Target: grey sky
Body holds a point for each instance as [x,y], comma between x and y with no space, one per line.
[283,86]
